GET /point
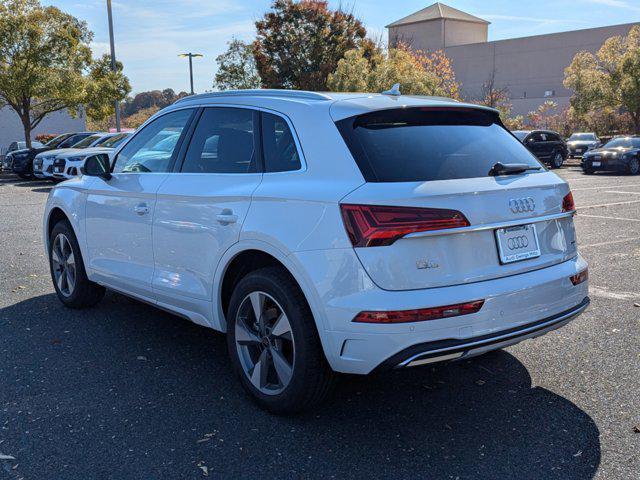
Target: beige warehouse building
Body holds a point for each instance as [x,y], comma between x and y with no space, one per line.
[532,68]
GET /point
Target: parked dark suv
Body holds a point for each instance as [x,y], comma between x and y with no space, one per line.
[23,159]
[548,146]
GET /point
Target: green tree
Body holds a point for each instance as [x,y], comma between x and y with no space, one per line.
[103,86]
[608,79]
[299,44]
[45,64]
[237,68]
[359,71]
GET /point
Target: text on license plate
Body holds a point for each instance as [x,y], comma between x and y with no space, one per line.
[58,169]
[517,243]
[596,164]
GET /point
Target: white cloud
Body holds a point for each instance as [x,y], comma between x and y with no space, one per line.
[616,4]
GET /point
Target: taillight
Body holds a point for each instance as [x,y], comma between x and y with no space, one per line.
[377,225]
[579,278]
[568,205]
[420,315]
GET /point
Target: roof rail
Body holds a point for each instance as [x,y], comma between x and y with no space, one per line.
[301,94]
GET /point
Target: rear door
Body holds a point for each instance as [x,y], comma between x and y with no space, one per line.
[201,207]
[430,215]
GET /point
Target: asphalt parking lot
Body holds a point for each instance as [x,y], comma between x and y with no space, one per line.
[126,391]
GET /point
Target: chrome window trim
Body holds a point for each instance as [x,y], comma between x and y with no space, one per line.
[294,133]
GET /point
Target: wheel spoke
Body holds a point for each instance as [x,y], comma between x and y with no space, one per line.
[70,279]
[282,367]
[71,259]
[260,370]
[282,327]
[54,256]
[244,336]
[60,281]
[257,303]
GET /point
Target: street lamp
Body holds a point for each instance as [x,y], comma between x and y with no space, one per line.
[114,67]
[191,56]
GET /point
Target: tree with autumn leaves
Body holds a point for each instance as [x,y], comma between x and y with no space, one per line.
[306,45]
[607,83]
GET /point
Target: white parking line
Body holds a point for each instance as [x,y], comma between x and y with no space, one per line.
[610,218]
[604,293]
[613,242]
[608,204]
[605,186]
[618,191]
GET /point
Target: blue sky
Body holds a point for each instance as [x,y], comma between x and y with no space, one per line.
[151,33]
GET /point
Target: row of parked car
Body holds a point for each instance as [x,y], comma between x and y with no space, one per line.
[62,157]
[620,154]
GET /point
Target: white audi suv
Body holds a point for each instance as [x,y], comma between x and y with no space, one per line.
[324,233]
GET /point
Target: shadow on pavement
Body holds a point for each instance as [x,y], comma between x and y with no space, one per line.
[124,390]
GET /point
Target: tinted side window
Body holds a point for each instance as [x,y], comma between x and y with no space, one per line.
[153,148]
[223,142]
[73,139]
[280,152]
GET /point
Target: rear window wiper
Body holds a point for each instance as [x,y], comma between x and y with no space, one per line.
[510,169]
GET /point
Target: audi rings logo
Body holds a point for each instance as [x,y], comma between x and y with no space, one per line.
[522,205]
[516,243]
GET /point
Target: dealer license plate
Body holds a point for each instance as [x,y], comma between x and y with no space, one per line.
[517,243]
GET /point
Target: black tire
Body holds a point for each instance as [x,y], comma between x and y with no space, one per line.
[633,167]
[25,176]
[85,293]
[557,160]
[312,378]
[588,171]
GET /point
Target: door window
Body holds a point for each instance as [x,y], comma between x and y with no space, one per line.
[154,148]
[280,151]
[223,142]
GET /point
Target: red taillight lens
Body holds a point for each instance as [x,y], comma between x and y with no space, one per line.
[376,225]
[568,205]
[423,314]
[579,278]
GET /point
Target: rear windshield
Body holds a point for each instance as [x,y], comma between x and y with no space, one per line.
[422,144]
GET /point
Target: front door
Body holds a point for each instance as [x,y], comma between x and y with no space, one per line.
[201,208]
[119,211]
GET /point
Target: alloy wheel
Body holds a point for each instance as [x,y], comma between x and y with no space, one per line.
[64,265]
[264,342]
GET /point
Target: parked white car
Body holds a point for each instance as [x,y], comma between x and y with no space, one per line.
[69,165]
[43,162]
[325,233]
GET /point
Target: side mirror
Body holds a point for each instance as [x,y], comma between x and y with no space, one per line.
[98,166]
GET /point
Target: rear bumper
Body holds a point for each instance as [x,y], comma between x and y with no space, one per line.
[452,349]
[516,307]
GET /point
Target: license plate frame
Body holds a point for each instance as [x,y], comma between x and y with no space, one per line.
[517,243]
[57,169]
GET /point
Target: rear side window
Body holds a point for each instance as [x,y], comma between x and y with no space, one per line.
[280,151]
[223,142]
[424,144]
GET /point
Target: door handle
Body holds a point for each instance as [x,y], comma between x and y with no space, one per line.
[142,209]
[226,217]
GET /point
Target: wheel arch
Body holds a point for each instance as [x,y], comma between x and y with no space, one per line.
[248,256]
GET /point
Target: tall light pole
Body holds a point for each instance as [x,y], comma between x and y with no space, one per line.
[191,57]
[114,67]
